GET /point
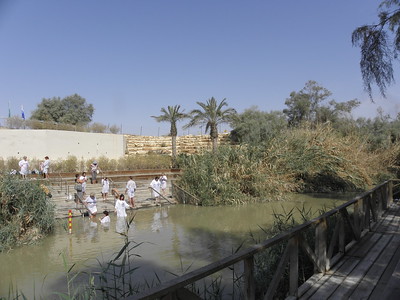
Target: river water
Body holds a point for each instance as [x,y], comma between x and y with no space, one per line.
[173,238]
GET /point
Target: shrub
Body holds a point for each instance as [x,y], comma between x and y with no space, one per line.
[26,213]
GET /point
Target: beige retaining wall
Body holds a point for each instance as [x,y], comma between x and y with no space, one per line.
[136,144]
[58,144]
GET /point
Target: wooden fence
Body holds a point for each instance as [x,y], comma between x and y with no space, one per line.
[333,234]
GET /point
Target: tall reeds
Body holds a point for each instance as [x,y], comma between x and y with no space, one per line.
[298,160]
[25,211]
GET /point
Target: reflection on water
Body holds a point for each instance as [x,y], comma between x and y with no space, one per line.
[171,237]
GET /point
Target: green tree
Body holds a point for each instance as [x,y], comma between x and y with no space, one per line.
[311,105]
[254,126]
[172,115]
[70,110]
[380,45]
[211,115]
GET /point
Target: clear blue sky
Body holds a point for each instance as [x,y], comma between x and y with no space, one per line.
[129,58]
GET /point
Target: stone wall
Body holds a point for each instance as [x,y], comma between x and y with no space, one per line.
[59,144]
[136,144]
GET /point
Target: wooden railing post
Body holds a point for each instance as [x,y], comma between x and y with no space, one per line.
[357,220]
[389,193]
[249,282]
[294,267]
[320,245]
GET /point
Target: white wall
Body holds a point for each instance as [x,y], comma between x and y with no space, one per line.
[59,144]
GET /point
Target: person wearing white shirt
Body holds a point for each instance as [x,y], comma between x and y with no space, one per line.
[106,219]
[105,188]
[121,206]
[45,167]
[24,167]
[155,187]
[83,180]
[163,181]
[91,205]
[130,190]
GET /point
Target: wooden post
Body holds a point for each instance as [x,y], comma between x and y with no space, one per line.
[357,225]
[320,245]
[389,193]
[250,285]
[294,267]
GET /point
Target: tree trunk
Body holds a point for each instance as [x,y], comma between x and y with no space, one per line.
[214,137]
[214,144]
[173,149]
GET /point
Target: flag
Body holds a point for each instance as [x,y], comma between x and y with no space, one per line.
[9,110]
[22,112]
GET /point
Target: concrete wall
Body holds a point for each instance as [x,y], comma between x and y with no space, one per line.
[59,144]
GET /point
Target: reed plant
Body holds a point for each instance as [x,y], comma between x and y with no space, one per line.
[74,164]
[298,160]
[26,214]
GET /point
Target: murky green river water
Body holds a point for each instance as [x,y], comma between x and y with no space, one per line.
[172,237]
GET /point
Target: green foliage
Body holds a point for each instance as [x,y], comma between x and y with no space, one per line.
[380,45]
[296,160]
[25,211]
[211,115]
[70,110]
[171,115]
[114,129]
[311,105]
[98,128]
[254,126]
[266,262]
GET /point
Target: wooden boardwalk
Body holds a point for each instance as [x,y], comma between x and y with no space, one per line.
[370,270]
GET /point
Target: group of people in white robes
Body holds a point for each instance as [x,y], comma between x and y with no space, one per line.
[44,167]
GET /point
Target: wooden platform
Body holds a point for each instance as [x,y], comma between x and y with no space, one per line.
[370,270]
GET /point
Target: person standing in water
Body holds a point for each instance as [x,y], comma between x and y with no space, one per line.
[130,189]
[105,188]
[155,187]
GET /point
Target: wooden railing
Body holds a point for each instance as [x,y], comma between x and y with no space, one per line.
[345,225]
[182,196]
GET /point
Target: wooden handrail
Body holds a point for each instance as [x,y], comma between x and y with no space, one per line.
[368,209]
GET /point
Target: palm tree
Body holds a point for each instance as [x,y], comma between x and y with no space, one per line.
[172,115]
[211,115]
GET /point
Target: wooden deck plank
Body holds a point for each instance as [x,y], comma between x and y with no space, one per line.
[370,270]
[345,266]
[328,288]
[362,248]
[381,287]
[370,280]
[392,290]
[351,281]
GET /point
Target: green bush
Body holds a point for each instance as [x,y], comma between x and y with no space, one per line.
[26,214]
[298,160]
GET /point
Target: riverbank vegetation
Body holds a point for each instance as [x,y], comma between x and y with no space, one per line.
[296,160]
[74,164]
[314,145]
[26,213]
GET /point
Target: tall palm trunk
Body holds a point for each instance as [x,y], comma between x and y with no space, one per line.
[173,147]
[214,137]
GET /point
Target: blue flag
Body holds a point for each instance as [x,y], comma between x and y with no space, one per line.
[22,112]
